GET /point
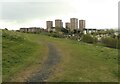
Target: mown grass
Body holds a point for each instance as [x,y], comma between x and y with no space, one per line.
[20,51]
[0,56]
[82,62]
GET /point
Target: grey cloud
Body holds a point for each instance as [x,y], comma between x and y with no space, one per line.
[21,11]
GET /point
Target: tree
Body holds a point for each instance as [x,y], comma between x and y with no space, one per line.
[65,31]
[6,29]
[74,31]
[89,39]
[110,42]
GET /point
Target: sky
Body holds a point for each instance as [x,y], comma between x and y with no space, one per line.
[98,14]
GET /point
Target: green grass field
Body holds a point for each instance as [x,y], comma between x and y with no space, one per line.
[86,63]
[19,52]
[80,62]
[0,56]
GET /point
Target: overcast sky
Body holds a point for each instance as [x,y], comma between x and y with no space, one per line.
[28,13]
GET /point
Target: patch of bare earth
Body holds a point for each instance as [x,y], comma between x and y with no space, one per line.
[23,75]
[49,65]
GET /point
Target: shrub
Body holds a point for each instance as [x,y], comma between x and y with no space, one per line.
[89,39]
[73,38]
[118,45]
[57,35]
[110,42]
[65,31]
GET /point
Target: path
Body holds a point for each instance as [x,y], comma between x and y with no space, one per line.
[52,60]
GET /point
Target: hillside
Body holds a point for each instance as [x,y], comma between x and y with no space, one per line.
[21,53]
[79,62]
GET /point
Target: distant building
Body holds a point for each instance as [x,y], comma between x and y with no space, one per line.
[30,30]
[82,25]
[67,25]
[33,29]
[73,23]
[49,25]
[58,23]
[53,29]
[23,29]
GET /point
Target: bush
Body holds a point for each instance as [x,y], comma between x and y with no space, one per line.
[57,35]
[118,44]
[89,39]
[110,42]
[73,38]
[65,31]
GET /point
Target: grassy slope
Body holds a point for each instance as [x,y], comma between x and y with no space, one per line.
[0,55]
[21,51]
[85,63]
[79,62]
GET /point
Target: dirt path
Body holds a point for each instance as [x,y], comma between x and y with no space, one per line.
[47,68]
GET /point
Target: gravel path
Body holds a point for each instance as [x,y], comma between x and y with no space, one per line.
[47,68]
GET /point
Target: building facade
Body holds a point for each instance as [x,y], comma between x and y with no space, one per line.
[67,25]
[33,29]
[30,30]
[73,23]
[23,29]
[49,25]
[58,23]
[82,25]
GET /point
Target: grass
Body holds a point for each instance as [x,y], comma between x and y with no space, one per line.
[19,52]
[83,62]
[0,56]
[80,62]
